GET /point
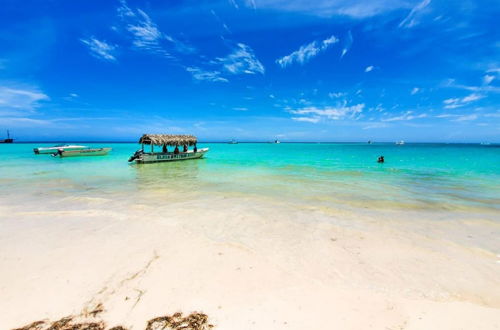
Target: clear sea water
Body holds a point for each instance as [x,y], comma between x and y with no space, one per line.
[414,176]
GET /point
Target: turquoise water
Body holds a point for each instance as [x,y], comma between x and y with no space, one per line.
[414,176]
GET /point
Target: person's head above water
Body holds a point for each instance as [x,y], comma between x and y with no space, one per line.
[380,159]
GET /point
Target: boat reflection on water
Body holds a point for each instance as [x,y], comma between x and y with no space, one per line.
[169,179]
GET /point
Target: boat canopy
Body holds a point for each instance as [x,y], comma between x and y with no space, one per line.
[168,139]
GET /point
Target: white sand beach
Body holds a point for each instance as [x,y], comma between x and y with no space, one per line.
[249,264]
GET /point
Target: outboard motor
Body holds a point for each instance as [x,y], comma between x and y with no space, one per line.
[57,153]
[136,155]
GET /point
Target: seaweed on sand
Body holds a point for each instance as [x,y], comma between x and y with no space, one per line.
[193,321]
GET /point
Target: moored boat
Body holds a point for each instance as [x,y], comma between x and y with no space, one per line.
[54,149]
[82,152]
[8,139]
[166,140]
[400,143]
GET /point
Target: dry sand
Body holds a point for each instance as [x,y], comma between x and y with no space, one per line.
[250,264]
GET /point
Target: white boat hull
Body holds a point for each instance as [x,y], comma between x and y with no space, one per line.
[52,150]
[84,152]
[158,157]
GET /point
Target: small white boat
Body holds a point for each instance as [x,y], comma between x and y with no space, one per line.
[54,149]
[233,142]
[83,152]
[277,141]
[400,143]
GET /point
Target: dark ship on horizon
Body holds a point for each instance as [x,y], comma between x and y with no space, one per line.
[8,139]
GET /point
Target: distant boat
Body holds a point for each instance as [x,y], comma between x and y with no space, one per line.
[400,143]
[83,152]
[233,142]
[485,143]
[277,141]
[8,139]
[54,149]
[369,141]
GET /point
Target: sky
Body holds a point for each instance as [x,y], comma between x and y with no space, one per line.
[251,70]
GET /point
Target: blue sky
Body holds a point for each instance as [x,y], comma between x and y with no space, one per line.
[299,70]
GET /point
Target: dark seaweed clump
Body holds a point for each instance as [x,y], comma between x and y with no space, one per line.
[193,321]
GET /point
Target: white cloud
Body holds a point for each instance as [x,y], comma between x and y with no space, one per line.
[14,100]
[453,103]
[375,125]
[100,49]
[336,95]
[487,79]
[306,52]
[347,44]
[234,4]
[146,35]
[369,68]
[412,18]
[240,109]
[200,74]
[251,3]
[241,60]
[328,8]
[415,90]
[332,113]
[466,118]
[307,119]
[408,115]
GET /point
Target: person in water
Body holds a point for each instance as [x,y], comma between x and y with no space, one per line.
[176,150]
[380,159]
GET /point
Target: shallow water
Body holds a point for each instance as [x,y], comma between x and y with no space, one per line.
[414,176]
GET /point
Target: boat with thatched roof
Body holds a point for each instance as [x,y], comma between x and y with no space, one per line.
[165,141]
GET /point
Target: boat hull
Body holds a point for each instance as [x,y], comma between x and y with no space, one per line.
[52,150]
[84,152]
[147,158]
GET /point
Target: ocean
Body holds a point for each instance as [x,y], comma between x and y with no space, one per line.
[461,177]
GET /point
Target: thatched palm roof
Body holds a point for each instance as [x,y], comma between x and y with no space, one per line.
[168,139]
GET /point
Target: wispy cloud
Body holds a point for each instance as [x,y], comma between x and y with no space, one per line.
[146,35]
[307,119]
[467,117]
[315,114]
[306,52]
[15,100]
[234,4]
[415,90]
[240,109]
[412,18]
[453,103]
[347,44]
[484,88]
[100,49]
[376,125]
[327,8]
[408,115]
[369,68]
[487,79]
[241,60]
[336,95]
[200,74]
